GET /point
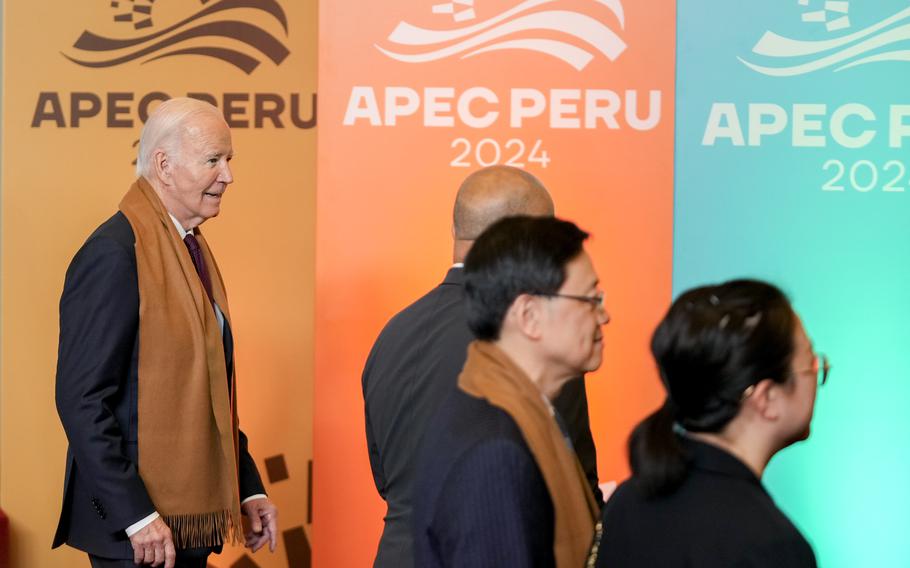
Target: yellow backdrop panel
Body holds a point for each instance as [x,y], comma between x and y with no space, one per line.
[79,77]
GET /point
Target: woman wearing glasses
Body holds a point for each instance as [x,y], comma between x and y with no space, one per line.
[741,379]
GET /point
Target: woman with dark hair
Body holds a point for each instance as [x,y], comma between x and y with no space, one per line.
[741,378]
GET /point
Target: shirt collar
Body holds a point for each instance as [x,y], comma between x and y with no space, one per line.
[708,457]
[183,232]
[455,276]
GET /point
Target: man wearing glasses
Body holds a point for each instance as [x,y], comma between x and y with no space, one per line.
[417,357]
[497,482]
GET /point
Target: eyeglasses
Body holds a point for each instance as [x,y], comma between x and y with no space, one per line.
[821,370]
[596,301]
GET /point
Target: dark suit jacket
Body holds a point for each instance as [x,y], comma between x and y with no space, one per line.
[479,497]
[413,365]
[97,396]
[720,517]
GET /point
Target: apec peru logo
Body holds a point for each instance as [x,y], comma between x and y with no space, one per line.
[843,48]
[576,37]
[218,30]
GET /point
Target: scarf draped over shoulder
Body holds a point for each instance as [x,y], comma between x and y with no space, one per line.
[490,374]
[187,407]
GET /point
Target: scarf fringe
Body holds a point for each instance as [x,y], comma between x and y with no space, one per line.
[204,529]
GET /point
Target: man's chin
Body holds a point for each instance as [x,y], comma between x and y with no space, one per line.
[799,437]
[593,364]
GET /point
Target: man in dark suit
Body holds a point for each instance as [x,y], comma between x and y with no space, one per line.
[416,358]
[156,470]
[496,480]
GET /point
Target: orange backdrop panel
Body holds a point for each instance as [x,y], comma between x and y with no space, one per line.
[388,172]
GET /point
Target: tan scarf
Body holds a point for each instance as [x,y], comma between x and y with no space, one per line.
[489,374]
[187,418]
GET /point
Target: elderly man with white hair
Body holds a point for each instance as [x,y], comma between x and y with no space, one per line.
[157,471]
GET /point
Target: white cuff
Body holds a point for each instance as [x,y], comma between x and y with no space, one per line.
[256,496]
[136,527]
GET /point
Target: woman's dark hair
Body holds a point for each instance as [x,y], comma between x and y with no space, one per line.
[514,256]
[713,344]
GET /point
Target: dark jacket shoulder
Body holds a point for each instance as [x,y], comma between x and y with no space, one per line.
[719,516]
[118,229]
[480,498]
[439,309]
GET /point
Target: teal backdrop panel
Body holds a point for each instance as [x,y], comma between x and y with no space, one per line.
[793,165]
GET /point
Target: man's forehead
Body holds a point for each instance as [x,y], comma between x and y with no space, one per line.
[580,270]
[208,134]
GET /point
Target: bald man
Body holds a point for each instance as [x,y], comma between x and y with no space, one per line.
[417,357]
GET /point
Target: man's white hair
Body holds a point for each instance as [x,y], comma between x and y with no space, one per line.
[164,130]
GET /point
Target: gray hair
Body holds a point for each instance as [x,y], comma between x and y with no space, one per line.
[164,130]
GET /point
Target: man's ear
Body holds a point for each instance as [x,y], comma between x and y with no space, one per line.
[163,166]
[766,399]
[525,315]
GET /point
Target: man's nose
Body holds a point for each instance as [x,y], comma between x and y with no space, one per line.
[226,176]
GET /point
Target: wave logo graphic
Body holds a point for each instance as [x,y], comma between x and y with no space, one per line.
[540,26]
[214,31]
[884,41]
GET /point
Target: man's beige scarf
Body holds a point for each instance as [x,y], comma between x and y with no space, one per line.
[489,374]
[187,416]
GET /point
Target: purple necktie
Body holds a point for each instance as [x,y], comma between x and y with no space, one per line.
[199,262]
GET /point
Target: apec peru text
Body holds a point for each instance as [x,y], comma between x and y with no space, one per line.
[850,125]
[125,110]
[480,107]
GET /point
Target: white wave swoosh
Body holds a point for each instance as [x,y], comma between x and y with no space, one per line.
[775,45]
[893,35]
[616,8]
[574,56]
[409,34]
[574,24]
[896,55]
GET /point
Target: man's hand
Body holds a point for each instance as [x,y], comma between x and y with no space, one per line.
[261,524]
[154,545]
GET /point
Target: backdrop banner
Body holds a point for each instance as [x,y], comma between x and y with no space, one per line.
[415,96]
[792,142]
[79,80]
